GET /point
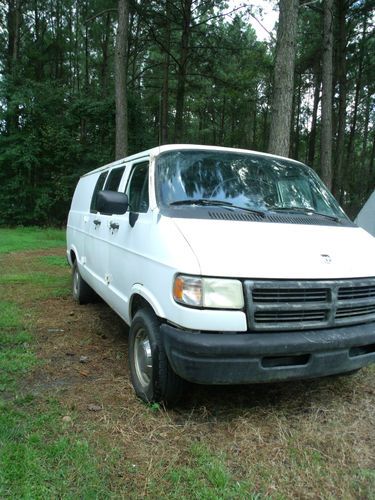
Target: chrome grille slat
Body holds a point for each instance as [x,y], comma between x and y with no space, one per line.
[300,305]
[295,295]
[356,293]
[353,311]
[298,316]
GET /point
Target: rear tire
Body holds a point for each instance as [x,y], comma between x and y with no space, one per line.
[151,374]
[82,292]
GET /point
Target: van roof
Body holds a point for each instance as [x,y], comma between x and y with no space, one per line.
[173,147]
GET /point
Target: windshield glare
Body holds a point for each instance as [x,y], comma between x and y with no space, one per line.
[245,180]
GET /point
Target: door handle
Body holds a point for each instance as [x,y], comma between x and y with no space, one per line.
[97,222]
[114,225]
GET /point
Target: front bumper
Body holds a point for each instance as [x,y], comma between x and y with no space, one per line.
[242,358]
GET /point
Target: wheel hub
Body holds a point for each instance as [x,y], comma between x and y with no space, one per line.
[143,357]
[75,282]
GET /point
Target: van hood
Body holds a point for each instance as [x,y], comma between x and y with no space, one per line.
[279,251]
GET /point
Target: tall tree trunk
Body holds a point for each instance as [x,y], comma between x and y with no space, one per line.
[358,88]
[182,70]
[105,55]
[13,21]
[265,122]
[70,30]
[366,129]
[312,136]
[362,164]
[120,80]
[295,132]
[298,131]
[348,166]
[86,50]
[165,88]
[76,46]
[327,79]
[281,110]
[38,43]
[59,51]
[254,133]
[134,19]
[222,122]
[342,8]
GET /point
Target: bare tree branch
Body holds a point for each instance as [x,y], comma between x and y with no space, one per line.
[262,25]
[101,13]
[217,16]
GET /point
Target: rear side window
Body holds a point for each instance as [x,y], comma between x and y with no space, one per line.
[137,188]
[114,179]
[98,187]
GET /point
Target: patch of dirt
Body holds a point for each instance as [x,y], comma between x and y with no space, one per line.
[85,346]
[299,439]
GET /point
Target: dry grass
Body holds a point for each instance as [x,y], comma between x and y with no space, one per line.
[312,439]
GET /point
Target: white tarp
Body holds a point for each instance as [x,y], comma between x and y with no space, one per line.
[366,217]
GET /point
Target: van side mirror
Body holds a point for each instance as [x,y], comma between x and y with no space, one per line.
[112,202]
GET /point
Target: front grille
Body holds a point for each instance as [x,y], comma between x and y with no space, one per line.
[290,295]
[305,304]
[282,316]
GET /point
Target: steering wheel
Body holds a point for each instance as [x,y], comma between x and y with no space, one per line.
[222,183]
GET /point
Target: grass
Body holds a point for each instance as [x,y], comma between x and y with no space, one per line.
[302,440]
[206,477]
[46,277]
[30,238]
[9,315]
[15,355]
[54,260]
[40,457]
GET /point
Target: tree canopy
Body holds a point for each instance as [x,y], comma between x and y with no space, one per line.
[194,72]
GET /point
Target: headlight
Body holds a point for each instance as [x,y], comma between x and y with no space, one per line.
[208,292]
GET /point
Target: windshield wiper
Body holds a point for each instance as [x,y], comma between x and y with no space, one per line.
[200,201]
[207,202]
[304,210]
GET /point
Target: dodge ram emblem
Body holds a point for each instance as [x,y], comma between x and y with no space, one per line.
[326,259]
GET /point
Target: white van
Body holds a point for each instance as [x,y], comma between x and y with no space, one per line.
[229,266]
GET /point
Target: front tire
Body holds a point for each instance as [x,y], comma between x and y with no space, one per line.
[151,374]
[81,291]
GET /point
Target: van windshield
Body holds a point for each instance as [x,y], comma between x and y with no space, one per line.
[247,181]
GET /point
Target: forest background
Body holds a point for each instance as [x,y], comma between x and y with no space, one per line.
[85,82]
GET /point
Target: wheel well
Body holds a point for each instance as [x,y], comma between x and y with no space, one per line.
[139,302]
[73,256]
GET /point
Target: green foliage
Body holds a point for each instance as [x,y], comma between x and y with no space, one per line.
[57,118]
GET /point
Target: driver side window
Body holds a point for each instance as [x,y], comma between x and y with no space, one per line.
[137,188]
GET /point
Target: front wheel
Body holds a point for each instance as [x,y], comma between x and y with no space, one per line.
[151,374]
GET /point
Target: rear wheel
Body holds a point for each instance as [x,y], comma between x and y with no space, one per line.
[152,376]
[82,292]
